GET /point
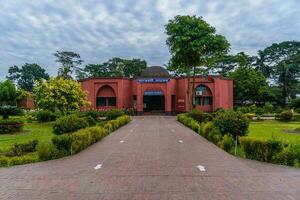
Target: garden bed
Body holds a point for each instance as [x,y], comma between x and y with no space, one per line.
[266,141]
[52,146]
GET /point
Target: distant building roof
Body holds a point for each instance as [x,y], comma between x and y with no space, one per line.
[155,71]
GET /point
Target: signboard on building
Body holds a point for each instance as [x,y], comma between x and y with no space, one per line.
[153,80]
[153,93]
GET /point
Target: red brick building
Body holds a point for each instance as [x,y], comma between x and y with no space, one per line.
[157,91]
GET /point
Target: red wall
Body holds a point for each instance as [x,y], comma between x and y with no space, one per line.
[125,89]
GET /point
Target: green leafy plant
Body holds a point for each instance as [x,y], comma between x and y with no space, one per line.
[69,124]
[45,116]
[20,149]
[234,123]
[262,150]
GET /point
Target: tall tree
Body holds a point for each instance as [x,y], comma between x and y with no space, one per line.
[116,67]
[70,62]
[26,75]
[249,84]
[194,46]
[280,62]
[59,94]
[228,63]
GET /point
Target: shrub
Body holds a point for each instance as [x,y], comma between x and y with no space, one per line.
[63,143]
[243,109]
[199,116]
[8,110]
[67,144]
[45,116]
[69,124]
[189,122]
[95,114]
[262,150]
[29,118]
[285,116]
[296,117]
[4,161]
[10,125]
[214,135]
[108,126]
[231,122]
[206,128]
[114,113]
[47,151]
[84,138]
[268,108]
[249,116]
[23,148]
[20,160]
[290,155]
[90,120]
[227,143]
[259,111]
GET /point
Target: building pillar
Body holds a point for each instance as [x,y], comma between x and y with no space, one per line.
[168,98]
[139,99]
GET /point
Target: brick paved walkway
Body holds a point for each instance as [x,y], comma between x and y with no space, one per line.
[146,159]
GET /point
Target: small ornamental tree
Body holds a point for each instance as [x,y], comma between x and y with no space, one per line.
[234,123]
[8,96]
[59,94]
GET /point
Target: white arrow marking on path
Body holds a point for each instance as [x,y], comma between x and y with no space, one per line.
[98,166]
[201,168]
[131,130]
[121,141]
[180,141]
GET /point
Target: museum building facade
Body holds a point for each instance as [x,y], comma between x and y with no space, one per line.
[155,90]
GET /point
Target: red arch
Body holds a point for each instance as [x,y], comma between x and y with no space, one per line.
[106,91]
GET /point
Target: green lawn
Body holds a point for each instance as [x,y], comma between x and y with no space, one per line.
[283,131]
[39,131]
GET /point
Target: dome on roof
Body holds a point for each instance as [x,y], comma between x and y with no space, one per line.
[155,71]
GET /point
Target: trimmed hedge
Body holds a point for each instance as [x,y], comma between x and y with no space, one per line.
[262,150]
[97,114]
[69,124]
[271,151]
[189,122]
[199,116]
[208,131]
[18,160]
[10,126]
[68,144]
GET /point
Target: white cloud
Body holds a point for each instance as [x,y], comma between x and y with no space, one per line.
[31,31]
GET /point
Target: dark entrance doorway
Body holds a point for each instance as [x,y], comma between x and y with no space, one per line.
[153,101]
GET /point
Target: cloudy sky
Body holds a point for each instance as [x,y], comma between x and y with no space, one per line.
[31,31]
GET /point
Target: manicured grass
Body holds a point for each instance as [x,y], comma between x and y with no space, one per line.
[283,131]
[39,131]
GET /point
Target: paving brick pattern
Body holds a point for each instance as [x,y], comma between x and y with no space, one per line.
[151,164]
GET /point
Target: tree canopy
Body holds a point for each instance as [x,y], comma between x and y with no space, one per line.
[59,94]
[26,75]
[281,63]
[116,67]
[250,85]
[69,61]
[194,46]
[8,93]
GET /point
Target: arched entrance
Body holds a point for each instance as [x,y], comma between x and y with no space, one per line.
[106,97]
[153,101]
[203,98]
